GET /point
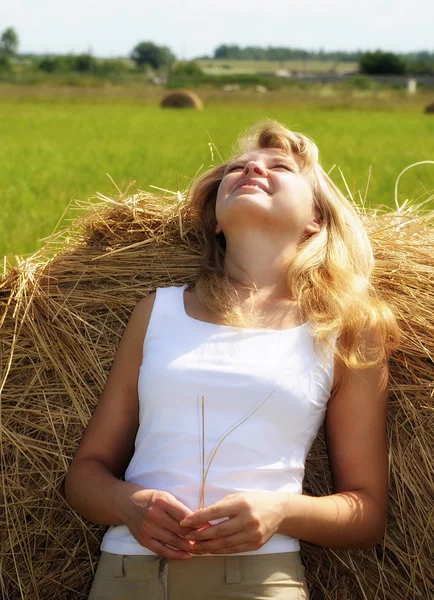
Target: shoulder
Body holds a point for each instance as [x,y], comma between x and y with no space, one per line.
[345,378]
[139,318]
[365,359]
[142,311]
[145,305]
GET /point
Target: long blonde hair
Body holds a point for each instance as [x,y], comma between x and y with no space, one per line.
[330,274]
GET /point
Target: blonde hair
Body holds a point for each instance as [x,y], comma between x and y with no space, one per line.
[330,274]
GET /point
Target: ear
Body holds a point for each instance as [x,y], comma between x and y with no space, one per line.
[218,229]
[315,223]
[314,226]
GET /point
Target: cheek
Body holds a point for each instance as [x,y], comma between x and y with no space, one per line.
[304,190]
[218,199]
[308,185]
[297,195]
[221,193]
[305,197]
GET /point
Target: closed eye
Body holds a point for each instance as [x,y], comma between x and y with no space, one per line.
[280,166]
[287,167]
[234,167]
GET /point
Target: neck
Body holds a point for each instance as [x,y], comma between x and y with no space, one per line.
[258,267]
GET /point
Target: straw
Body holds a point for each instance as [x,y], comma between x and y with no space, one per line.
[63,311]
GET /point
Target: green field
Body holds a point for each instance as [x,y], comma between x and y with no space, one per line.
[52,152]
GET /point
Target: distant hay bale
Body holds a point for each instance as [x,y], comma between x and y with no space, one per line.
[430,108]
[62,318]
[182,99]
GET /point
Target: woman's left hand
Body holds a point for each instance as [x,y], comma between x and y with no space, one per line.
[251,519]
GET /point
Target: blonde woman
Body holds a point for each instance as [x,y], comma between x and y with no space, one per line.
[218,389]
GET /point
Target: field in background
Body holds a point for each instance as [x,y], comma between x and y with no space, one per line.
[217,66]
[357,94]
[56,148]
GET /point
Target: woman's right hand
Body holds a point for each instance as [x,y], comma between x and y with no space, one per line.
[153,518]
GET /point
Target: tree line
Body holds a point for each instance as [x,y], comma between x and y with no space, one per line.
[278,53]
[373,63]
[147,55]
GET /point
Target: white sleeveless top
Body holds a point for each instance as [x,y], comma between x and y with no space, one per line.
[271,385]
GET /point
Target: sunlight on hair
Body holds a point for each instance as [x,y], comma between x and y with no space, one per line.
[330,273]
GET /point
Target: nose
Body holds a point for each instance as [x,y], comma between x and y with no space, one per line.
[253,167]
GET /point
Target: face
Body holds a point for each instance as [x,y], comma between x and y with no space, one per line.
[265,188]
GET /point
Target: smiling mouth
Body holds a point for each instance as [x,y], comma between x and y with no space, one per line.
[251,186]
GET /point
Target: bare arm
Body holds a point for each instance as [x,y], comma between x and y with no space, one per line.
[355,516]
[93,491]
[93,486]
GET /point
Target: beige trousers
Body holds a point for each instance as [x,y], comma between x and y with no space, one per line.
[251,577]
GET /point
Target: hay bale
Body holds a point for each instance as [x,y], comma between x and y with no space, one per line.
[62,318]
[182,99]
[430,108]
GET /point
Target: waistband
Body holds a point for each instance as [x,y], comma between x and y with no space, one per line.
[146,567]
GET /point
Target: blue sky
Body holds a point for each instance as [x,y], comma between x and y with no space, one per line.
[192,27]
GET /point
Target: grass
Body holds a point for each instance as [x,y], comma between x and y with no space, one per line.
[54,151]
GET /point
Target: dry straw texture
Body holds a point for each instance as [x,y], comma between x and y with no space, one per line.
[61,322]
[182,99]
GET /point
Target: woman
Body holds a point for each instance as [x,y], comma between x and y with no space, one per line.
[216,394]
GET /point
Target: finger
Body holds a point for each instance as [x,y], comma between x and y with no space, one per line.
[248,547]
[224,529]
[223,543]
[174,507]
[168,522]
[166,552]
[169,538]
[221,509]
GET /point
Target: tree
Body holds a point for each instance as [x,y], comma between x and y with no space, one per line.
[58,63]
[228,52]
[5,63]
[9,42]
[49,64]
[147,53]
[187,69]
[112,66]
[421,67]
[85,63]
[382,63]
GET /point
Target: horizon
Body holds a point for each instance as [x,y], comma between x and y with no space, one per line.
[193,29]
[211,57]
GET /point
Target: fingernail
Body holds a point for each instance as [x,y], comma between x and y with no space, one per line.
[186,556]
[189,536]
[185,522]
